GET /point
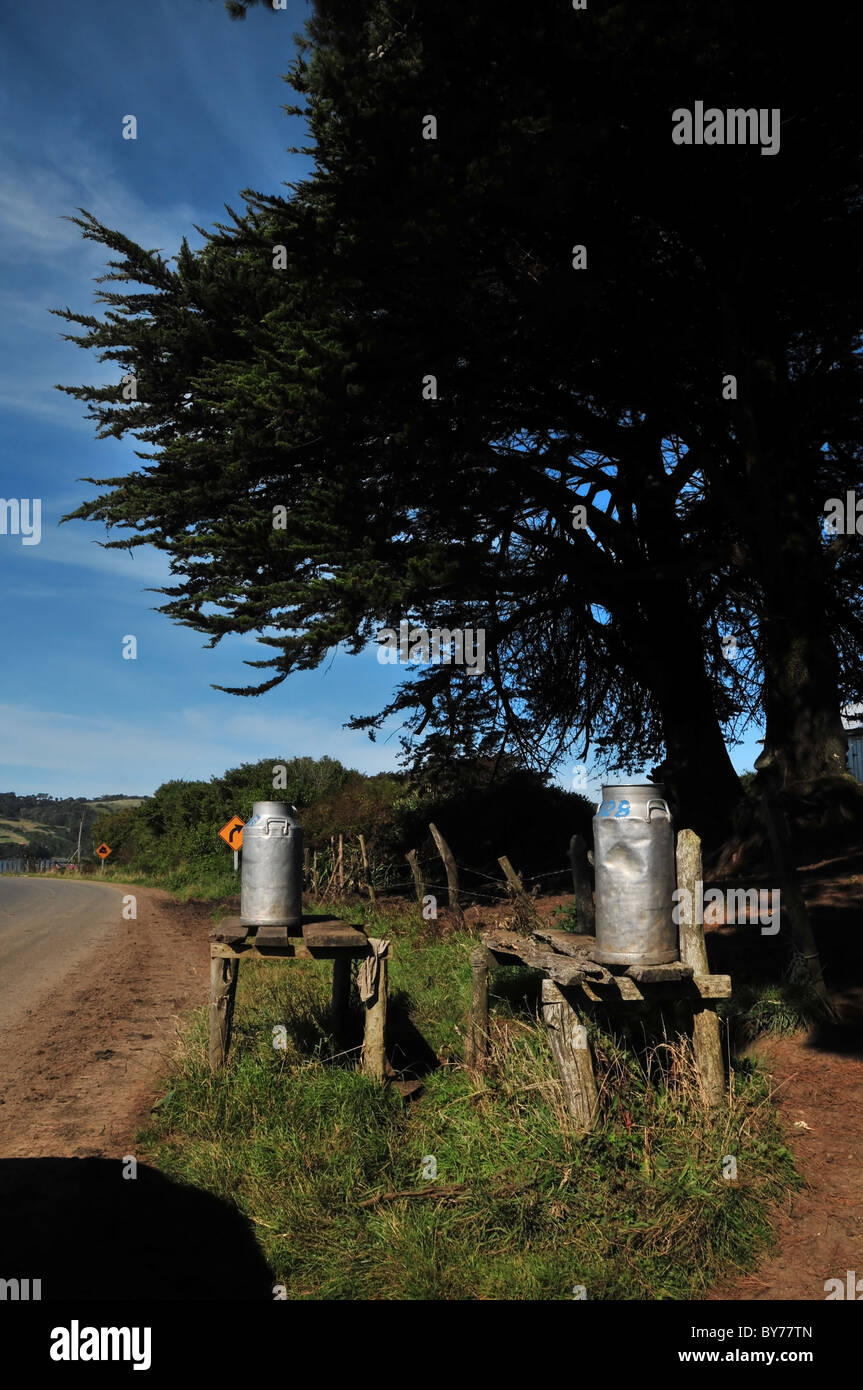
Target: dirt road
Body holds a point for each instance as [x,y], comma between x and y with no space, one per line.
[47,927]
[90,1004]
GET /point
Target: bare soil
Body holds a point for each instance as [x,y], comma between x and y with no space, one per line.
[79,1075]
[819,1232]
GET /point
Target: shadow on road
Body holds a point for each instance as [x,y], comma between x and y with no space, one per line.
[88,1232]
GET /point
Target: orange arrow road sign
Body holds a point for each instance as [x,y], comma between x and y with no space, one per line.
[232,833]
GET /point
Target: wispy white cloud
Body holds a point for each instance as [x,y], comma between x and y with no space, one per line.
[37,198]
[95,754]
[49,256]
[77,544]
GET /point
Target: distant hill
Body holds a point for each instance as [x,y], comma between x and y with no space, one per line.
[44,827]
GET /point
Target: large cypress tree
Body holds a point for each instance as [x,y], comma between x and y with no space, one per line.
[599,387]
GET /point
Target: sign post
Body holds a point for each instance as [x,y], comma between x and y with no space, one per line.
[103,851]
[232,834]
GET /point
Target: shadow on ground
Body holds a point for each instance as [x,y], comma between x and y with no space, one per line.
[87,1232]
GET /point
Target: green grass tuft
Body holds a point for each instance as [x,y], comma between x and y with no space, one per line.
[521,1208]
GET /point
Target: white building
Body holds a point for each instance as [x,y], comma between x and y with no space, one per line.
[852,723]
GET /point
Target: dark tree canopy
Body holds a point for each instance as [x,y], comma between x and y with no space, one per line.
[406,258]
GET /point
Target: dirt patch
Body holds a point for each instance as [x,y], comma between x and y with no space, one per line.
[819,1233]
[78,1076]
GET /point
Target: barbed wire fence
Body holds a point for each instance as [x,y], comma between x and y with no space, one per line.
[344,868]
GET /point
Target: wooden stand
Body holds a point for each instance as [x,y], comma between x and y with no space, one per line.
[575,981]
[706,1041]
[476,1049]
[567,1036]
[329,939]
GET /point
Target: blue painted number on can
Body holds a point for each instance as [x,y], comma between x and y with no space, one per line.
[607,807]
[622,810]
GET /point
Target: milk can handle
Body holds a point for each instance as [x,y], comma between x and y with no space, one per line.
[277,820]
[657,801]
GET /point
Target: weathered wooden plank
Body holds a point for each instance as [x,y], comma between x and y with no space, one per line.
[230,930]
[622,989]
[568,943]
[660,974]
[271,938]
[223,988]
[567,1037]
[564,969]
[296,949]
[327,935]
[597,982]
[565,972]
[706,1041]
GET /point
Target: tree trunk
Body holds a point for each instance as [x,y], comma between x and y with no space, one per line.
[778,518]
[667,636]
[801,677]
[698,770]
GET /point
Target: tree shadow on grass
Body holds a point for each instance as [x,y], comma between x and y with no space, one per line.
[87,1232]
[410,1054]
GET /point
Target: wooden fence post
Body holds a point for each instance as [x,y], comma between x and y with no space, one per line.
[525,904]
[584,908]
[223,988]
[366,869]
[567,1037]
[411,857]
[512,877]
[449,864]
[706,1041]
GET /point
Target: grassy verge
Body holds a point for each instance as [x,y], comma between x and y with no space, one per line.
[184,884]
[519,1208]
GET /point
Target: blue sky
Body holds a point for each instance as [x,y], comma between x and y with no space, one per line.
[206,92]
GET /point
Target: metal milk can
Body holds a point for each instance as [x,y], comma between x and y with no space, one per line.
[633,850]
[272,881]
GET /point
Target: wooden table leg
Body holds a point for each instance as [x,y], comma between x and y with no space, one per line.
[706,1040]
[340,997]
[571,1050]
[223,988]
[476,1047]
[374,1043]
